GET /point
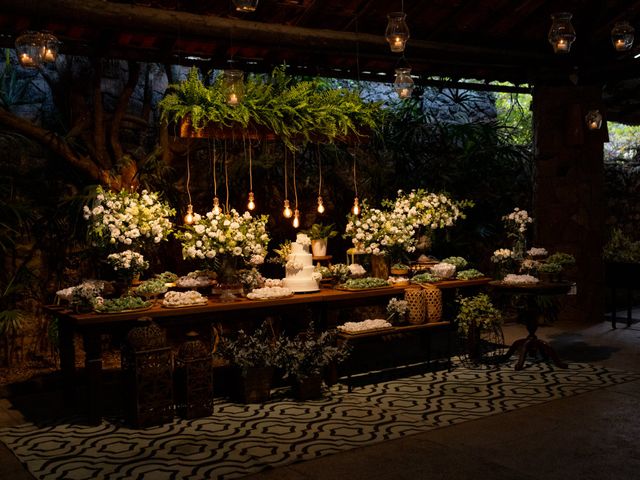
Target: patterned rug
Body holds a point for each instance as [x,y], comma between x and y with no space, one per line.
[241,439]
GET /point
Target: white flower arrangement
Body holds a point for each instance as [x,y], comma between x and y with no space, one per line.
[225,234]
[377,231]
[501,255]
[293,266]
[397,307]
[128,262]
[303,239]
[85,293]
[430,210]
[128,218]
[518,221]
[537,252]
[273,282]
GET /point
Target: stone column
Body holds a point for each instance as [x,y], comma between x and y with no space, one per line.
[569,195]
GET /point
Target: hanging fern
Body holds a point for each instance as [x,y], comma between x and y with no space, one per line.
[294,110]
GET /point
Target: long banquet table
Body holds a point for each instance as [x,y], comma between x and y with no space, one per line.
[91,326]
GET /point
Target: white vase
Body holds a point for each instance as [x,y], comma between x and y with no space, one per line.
[319,247]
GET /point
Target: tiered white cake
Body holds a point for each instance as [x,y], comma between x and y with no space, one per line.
[300,275]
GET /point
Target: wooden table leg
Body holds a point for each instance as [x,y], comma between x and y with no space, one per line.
[551,353]
[93,365]
[67,361]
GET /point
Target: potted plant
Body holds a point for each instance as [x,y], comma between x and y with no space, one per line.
[254,358]
[305,357]
[476,314]
[320,235]
[399,269]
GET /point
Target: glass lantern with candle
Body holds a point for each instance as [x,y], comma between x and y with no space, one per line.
[49,47]
[397,32]
[561,35]
[233,86]
[594,120]
[246,5]
[29,49]
[403,84]
[622,36]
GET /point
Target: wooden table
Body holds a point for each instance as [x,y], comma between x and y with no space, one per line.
[528,314]
[91,326]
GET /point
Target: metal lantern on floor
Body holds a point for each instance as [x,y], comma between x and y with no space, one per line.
[193,379]
[561,35]
[147,371]
[233,86]
[29,49]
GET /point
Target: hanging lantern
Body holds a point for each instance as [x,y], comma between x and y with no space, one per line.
[246,5]
[251,204]
[622,36]
[594,120]
[296,219]
[188,218]
[233,86]
[356,207]
[397,32]
[287,210]
[403,84]
[561,34]
[320,205]
[29,49]
[216,206]
[49,47]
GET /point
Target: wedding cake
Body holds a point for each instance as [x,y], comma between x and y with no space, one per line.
[300,276]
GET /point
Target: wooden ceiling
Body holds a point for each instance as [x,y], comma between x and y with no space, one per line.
[483,39]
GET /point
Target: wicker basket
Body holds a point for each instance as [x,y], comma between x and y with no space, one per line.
[433,296]
[417,303]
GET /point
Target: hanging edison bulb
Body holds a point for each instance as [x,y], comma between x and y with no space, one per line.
[287,212]
[296,219]
[251,204]
[403,84]
[622,36]
[320,205]
[246,5]
[561,35]
[356,207]
[397,32]
[233,86]
[216,206]
[188,218]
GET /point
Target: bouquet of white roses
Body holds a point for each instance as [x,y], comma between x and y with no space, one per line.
[427,209]
[128,218]
[378,232]
[128,263]
[226,234]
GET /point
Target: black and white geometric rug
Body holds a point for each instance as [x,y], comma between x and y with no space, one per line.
[241,439]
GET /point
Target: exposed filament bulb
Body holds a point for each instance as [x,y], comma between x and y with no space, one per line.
[188,218]
[251,205]
[356,207]
[320,205]
[216,206]
[296,219]
[287,212]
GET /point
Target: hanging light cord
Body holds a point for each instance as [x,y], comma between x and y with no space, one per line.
[188,173]
[286,193]
[295,188]
[215,181]
[250,170]
[319,170]
[226,175]
[355,180]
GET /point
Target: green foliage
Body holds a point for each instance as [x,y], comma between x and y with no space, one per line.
[458,262]
[308,353]
[425,277]
[621,248]
[550,268]
[319,231]
[11,322]
[469,274]
[514,111]
[563,259]
[261,349]
[477,311]
[294,110]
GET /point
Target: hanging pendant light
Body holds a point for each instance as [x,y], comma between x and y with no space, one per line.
[188,218]
[320,205]
[233,86]
[561,35]
[622,36]
[251,204]
[246,5]
[594,120]
[356,207]
[397,32]
[29,49]
[296,219]
[403,84]
[287,212]
[216,206]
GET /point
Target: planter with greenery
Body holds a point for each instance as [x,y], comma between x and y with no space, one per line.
[306,356]
[254,358]
[320,235]
[477,315]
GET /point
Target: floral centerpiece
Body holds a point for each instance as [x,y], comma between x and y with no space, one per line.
[430,210]
[397,310]
[128,218]
[224,239]
[128,263]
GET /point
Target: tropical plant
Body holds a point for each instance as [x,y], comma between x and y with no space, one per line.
[262,348]
[318,231]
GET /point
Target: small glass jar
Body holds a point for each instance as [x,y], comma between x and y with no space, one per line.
[29,49]
[403,84]
[397,32]
[622,36]
[233,86]
[561,35]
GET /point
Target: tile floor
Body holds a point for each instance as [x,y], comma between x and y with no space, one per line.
[588,436]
